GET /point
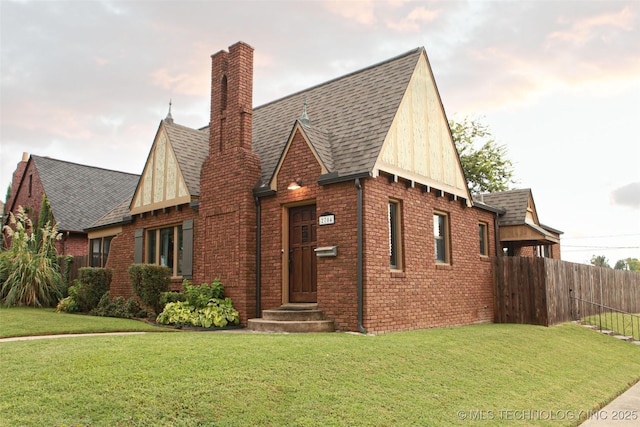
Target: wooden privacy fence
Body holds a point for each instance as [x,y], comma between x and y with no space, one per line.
[536,290]
[77,262]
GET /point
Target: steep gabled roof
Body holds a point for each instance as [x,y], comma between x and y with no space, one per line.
[80,194]
[171,175]
[191,147]
[356,110]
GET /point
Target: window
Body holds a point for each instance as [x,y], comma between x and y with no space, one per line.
[544,251]
[182,258]
[99,251]
[484,239]
[395,243]
[164,247]
[441,237]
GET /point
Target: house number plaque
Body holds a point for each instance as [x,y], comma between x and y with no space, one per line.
[326,219]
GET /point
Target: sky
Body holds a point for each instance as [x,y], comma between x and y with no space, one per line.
[556,82]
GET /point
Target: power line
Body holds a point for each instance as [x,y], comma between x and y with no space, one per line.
[601,237]
[602,247]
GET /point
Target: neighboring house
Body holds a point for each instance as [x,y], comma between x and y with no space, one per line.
[349,194]
[520,232]
[78,194]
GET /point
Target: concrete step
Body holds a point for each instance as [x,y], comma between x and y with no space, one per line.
[292,315]
[306,326]
[292,318]
[624,338]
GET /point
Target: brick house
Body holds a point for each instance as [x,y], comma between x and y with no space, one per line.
[78,194]
[348,196]
[520,231]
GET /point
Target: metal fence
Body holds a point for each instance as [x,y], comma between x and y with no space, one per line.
[605,318]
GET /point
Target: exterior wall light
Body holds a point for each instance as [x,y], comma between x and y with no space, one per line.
[295,184]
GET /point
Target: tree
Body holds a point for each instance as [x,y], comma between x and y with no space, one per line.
[485,165]
[628,264]
[45,219]
[29,275]
[600,261]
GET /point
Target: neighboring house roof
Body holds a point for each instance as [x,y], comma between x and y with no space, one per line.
[519,210]
[349,117]
[81,194]
[514,202]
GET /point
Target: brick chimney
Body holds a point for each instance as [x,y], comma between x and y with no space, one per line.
[17,177]
[225,244]
[231,98]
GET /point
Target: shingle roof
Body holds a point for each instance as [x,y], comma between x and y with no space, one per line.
[191,147]
[515,203]
[79,194]
[115,216]
[350,117]
[356,110]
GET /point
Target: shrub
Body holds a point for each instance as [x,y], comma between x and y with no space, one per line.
[148,282]
[199,296]
[67,305]
[91,285]
[64,263]
[217,312]
[171,296]
[118,307]
[203,306]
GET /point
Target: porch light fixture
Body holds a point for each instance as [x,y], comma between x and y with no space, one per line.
[295,184]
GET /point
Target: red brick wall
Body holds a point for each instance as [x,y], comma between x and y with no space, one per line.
[121,253]
[17,176]
[33,200]
[75,244]
[336,276]
[424,294]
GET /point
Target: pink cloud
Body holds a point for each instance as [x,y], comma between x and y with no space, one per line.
[359,11]
[412,22]
[583,30]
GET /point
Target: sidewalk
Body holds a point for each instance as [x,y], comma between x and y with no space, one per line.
[40,337]
[623,411]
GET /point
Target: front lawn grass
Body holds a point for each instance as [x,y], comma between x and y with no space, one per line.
[27,321]
[473,375]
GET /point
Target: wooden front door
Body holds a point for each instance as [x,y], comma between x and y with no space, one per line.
[302,257]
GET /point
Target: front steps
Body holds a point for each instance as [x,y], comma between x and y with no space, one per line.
[292,318]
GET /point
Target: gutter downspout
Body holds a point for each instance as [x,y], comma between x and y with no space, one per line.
[258,255]
[359,264]
[496,232]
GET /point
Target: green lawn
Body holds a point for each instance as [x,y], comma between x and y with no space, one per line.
[25,321]
[484,374]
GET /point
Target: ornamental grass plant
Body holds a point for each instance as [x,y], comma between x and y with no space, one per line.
[29,272]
